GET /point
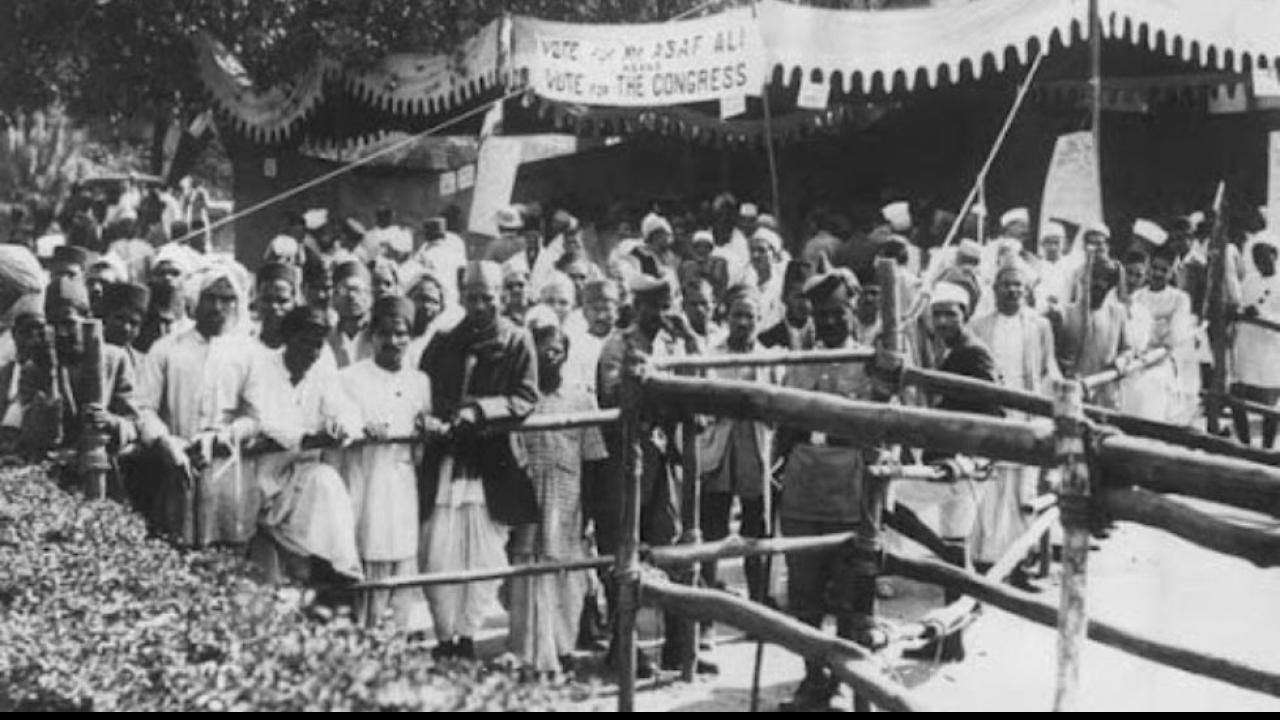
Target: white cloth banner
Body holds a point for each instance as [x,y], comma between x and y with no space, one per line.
[495,179]
[1071,189]
[643,65]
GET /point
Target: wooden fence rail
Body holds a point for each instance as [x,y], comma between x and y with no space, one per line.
[1260,547]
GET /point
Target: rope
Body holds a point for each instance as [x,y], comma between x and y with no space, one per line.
[995,148]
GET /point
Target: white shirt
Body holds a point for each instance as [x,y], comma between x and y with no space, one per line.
[188,384]
[1008,349]
[1257,350]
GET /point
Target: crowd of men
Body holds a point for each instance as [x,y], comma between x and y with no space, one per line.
[339,414]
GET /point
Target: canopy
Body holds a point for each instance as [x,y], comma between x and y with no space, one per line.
[678,72]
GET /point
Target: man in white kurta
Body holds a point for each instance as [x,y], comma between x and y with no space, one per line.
[393,398]
[1256,351]
[1173,327]
[196,392]
[306,508]
[1021,342]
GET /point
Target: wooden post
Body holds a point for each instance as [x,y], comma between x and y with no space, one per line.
[94,463]
[1073,498]
[628,567]
[692,511]
[1216,314]
[869,539]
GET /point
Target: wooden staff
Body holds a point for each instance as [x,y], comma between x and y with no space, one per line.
[1028,443]
[765,358]
[1144,362]
[628,566]
[1074,501]
[94,463]
[692,486]
[1259,547]
[849,662]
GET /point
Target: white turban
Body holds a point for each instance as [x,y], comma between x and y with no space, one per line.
[177,255]
[1053,229]
[283,247]
[653,223]
[898,215]
[770,237]
[400,242]
[20,271]
[315,218]
[949,292]
[209,275]
[1015,215]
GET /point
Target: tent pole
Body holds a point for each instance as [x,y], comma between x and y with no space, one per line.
[1095,86]
[769,149]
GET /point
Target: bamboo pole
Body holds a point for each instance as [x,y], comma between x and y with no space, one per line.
[1255,321]
[766,358]
[736,546]
[1029,443]
[627,568]
[1074,500]
[1145,361]
[692,509]
[93,461]
[1169,469]
[1259,547]
[849,662]
[1257,408]
[1042,612]
[457,577]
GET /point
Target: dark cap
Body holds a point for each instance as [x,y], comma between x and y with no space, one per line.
[274,271]
[393,306]
[304,318]
[71,255]
[129,296]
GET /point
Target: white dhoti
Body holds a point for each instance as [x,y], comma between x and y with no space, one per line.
[1000,515]
[461,535]
[307,510]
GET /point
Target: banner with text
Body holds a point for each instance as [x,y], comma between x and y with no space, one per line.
[1071,190]
[643,65]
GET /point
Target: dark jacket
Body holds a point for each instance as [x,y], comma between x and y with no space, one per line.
[503,385]
[972,359]
[779,336]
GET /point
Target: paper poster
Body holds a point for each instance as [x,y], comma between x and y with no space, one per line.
[1273,183]
[1071,188]
[466,177]
[448,183]
[813,93]
[732,106]
[495,179]
[650,64]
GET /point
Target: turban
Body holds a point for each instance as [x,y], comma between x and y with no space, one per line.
[647,286]
[559,281]
[20,272]
[1053,229]
[129,296]
[769,236]
[66,294]
[394,307]
[400,241]
[704,236]
[177,255]
[652,223]
[768,221]
[949,292]
[282,247]
[541,316]
[969,250]
[1015,215]
[211,275]
[827,280]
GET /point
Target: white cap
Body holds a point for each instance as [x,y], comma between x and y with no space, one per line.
[1100,228]
[1053,229]
[653,223]
[1150,232]
[705,236]
[898,215]
[400,241]
[949,292]
[510,218]
[770,237]
[283,246]
[748,210]
[1195,219]
[769,221]
[1015,215]
[315,218]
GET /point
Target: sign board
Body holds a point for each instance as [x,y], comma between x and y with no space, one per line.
[495,179]
[1071,189]
[647,64]
[448,183]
